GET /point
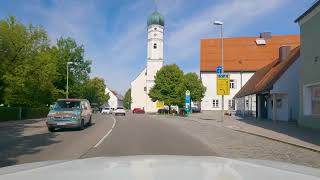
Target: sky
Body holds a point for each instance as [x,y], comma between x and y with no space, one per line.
[114,32]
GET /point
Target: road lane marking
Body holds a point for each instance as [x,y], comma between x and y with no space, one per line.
[109,132]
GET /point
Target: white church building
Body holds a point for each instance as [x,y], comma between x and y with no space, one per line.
[141,86]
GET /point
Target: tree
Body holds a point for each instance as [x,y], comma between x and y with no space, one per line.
[67,50]
[94,90]
[193,83]
[27,67]
[171,85]
[167,87]
[127,99]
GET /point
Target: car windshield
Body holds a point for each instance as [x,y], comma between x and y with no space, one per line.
[66,105]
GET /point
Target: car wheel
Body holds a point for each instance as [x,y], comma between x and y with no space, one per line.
[90,121]
[81,125]
[51,129]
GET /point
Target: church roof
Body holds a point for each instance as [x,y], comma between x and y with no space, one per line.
[156,18]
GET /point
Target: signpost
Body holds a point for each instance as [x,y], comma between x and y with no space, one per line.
[223,84]
[219,69]
[223,88]
[188,101]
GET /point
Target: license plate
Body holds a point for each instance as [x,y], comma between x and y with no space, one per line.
[61,123]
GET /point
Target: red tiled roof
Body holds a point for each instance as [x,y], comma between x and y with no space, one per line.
[242,53]
[264,78]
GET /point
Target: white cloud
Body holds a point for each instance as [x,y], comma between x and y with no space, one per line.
[184,41]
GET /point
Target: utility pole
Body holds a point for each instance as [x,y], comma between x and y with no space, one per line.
[67,93]
[219,23]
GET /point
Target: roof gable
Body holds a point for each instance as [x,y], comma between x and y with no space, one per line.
[265,77]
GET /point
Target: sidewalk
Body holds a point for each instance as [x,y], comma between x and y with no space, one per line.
[280,131]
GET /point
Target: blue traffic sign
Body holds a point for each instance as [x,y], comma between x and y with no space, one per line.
[219,69]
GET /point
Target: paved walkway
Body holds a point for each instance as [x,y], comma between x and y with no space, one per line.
[280,131]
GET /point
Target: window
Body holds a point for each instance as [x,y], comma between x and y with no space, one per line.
[231,104]
[232,84]
[315,100]
[215,103]
[247,102]
[145,88]
[155,46]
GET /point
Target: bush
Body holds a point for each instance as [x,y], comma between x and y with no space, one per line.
[12,113]
[31,113]
[9,113]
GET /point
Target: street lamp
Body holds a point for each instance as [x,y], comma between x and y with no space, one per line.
[220,23]
[67,94]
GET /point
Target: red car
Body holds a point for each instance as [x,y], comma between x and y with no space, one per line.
[138,111]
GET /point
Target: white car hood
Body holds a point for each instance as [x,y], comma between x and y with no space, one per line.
[159,168]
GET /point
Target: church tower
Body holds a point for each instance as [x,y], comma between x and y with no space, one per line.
[154,54]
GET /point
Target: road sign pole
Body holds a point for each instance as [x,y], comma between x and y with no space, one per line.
[222,112]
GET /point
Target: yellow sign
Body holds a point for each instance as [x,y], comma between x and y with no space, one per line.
[223,84]
[160,104]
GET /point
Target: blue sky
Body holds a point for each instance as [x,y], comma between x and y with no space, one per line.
[114,32]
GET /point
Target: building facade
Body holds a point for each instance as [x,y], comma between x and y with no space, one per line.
[309,111]
[115,99]
[141,86]
[275,88]
[243,56]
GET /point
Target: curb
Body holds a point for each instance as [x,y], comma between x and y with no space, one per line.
[267,137]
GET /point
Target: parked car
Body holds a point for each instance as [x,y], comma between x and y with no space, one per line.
[106,110]
[69,113]
[195,109]
[163,111]
[120,111]
[138,111]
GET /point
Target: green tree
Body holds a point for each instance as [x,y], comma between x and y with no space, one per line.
[27,67]
[67,50]
[94,90]
[167,86]
[127,99]
[193,83]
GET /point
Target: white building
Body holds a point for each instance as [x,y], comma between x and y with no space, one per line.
[141,86]
[275,87]
[242,57]
[115,99]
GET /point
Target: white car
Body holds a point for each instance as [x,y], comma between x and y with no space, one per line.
[106,110]
[120,111]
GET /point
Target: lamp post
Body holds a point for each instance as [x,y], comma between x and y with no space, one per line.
[67,93]
[220,23]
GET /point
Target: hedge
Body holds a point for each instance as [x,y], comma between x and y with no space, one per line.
[12,113]
[9,113]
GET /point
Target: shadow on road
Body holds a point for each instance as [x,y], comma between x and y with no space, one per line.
[290,129]
[14,141]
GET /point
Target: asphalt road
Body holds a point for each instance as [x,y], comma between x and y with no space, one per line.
[136,134]
[30,141]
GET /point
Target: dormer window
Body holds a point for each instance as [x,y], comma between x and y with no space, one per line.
[155,46]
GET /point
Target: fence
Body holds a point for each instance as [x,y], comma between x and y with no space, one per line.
[18,113]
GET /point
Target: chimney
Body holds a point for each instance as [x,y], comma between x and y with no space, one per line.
[284,52]
[265,35]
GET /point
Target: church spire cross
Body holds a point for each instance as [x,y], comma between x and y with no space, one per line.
[156,4]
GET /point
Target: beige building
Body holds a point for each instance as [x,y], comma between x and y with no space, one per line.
[309,113]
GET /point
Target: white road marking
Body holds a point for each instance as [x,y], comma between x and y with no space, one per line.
[109,132]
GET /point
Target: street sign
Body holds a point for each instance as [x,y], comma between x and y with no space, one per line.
[187,93]
[223,84]
[160,104]
[188,101]
[219,69]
